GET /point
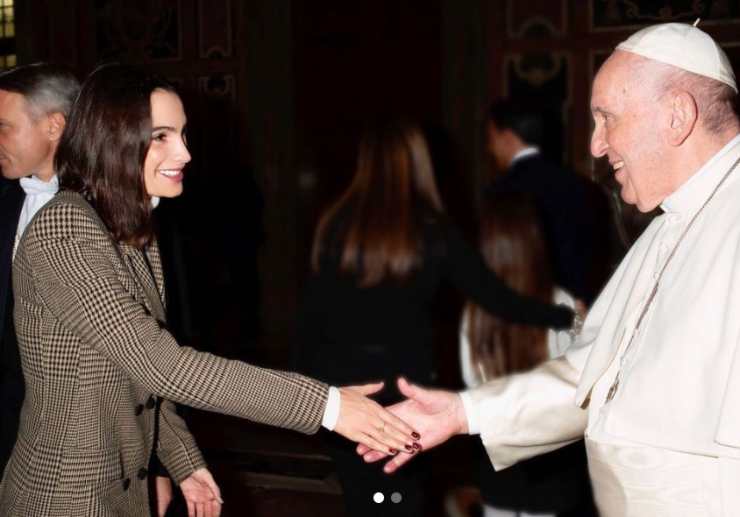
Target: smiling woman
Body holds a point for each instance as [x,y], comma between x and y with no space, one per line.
[120,126]
[101,369]
[168,153]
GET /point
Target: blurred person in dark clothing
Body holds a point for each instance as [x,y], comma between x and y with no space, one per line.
[379,256]
[574,212]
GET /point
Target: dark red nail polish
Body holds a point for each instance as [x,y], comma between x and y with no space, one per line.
[417,446]
[416,435]
[409,448]
[393,451]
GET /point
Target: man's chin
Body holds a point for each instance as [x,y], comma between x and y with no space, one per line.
[11,175]
[628,197]
[643,207]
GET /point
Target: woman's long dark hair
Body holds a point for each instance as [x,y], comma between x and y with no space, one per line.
[102,150]
[513,246]
[394,178]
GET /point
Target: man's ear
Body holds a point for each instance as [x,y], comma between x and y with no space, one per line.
[683,116]
[55,125]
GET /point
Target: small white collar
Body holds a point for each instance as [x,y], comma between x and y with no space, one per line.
[523,153]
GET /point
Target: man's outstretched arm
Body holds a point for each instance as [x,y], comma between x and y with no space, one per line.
[518,416]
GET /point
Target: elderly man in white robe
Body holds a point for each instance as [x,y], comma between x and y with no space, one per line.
[653,381]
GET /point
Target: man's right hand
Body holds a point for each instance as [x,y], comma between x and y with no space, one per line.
[436,414]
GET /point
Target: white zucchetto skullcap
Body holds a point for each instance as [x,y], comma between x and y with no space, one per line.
[683,46]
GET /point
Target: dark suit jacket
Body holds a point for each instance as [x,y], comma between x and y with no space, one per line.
[575,218]
[11,377]
[97,356]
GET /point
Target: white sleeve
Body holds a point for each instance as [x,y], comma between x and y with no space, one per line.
[527,414]
[466,366]
[331,411]
[470,415]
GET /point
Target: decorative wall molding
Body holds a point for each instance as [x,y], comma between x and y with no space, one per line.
[535,68]
[613,15]
[536,19]
[215,34]
[222,86]
[141,31]
[546,80]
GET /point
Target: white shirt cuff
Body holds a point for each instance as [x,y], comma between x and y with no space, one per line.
[331,412]
[473,424]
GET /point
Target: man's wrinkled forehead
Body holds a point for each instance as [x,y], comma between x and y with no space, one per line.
[607,82]
[623,75]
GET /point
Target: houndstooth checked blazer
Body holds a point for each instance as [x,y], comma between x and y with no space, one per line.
[89,317]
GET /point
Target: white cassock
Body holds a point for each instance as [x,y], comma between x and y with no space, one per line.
[668,442]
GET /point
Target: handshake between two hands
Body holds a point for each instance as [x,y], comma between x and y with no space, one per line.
[425,419]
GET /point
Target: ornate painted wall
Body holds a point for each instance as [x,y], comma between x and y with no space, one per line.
[549,50]
[234,75]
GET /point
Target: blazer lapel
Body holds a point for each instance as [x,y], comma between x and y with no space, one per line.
[145,278]
[155,265]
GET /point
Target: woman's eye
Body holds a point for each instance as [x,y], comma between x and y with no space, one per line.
[161,137]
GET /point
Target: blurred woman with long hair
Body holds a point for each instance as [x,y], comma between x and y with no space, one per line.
[379,255]
[513,245]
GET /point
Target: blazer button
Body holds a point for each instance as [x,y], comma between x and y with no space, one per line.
[142,473]
[139,409]
[126,484]
[150,403]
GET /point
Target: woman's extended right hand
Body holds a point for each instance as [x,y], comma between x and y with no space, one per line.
[365,421]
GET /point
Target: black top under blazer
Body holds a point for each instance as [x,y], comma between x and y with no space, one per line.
[349,334]
[98,362]
[11,377]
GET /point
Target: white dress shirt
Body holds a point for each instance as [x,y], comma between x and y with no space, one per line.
[331,411]
[680,379]
[38,193]
[530,150]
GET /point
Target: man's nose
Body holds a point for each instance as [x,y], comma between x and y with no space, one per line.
[598,142]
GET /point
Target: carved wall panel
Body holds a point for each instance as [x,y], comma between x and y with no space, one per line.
[536,18]
[621,14]
[215,29]
[218,97]
[542,79]
[142,30]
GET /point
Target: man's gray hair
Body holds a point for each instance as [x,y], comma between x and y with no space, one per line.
[47,88]
[716,101]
